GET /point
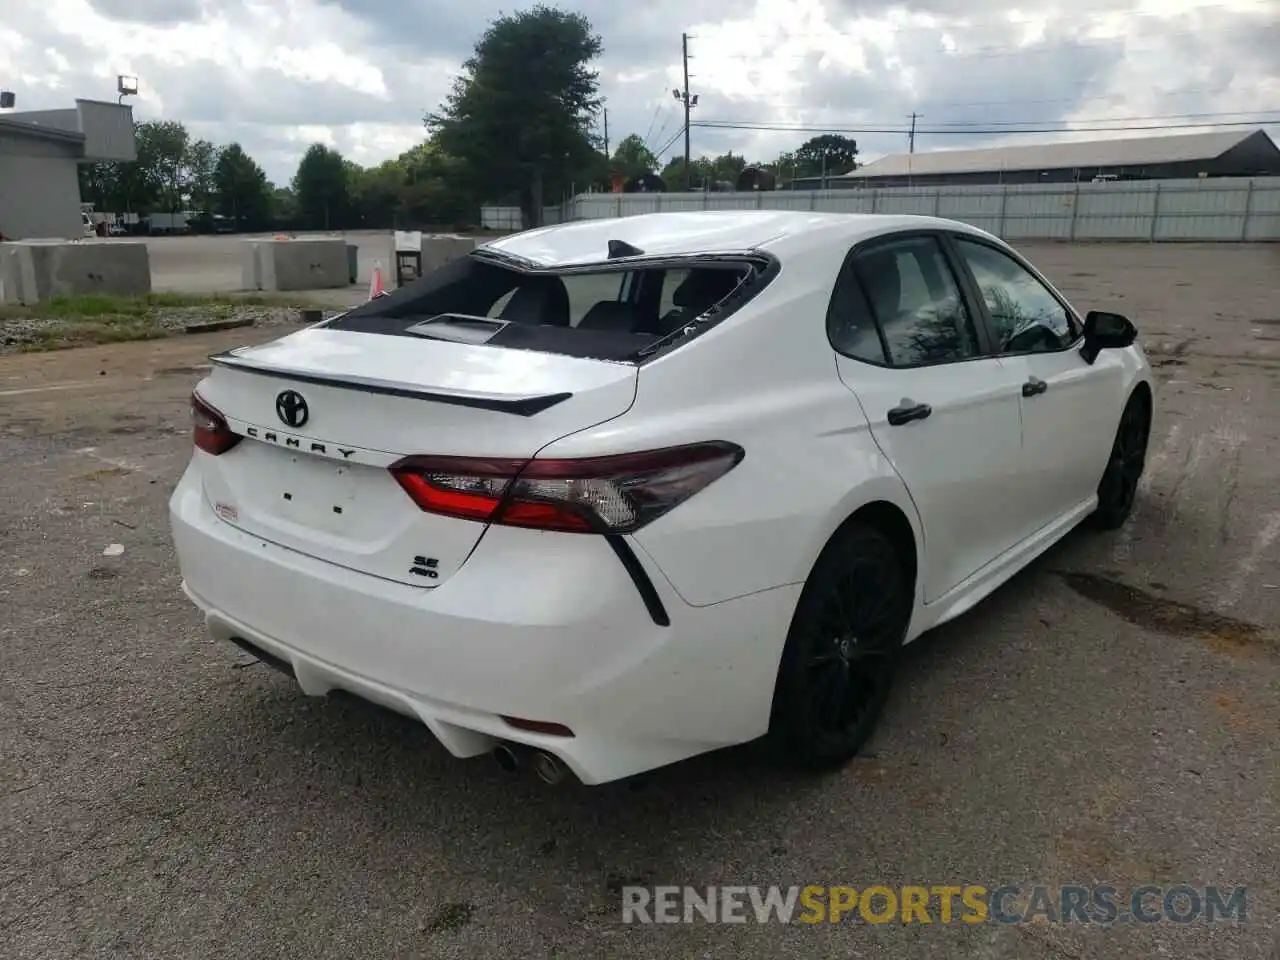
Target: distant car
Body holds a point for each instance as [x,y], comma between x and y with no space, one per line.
[610,494]
[86,225]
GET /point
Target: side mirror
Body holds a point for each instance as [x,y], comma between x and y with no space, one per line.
[1106,331]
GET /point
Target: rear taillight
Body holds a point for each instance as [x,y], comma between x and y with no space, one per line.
[209,429]
[616,494]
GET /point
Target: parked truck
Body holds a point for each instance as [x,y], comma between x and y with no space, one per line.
[160,223]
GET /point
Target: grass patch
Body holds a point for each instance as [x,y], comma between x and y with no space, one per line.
[64,335]
[72,321]
[100,305]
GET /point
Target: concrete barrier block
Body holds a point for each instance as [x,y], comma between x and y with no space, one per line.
[12,274]
[318,263]
[441,248]
[251,265]
[36,270]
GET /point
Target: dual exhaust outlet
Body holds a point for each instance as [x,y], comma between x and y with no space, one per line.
[512,756]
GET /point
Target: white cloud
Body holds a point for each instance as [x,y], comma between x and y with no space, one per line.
[277,75]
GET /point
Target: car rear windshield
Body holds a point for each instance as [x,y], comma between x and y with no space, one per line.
[605,313]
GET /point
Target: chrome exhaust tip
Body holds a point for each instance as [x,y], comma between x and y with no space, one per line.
[506,758]
[548,768]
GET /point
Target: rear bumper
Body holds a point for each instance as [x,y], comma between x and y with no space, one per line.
[541,626]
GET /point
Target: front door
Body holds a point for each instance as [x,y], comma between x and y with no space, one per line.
[943,411]
[1069,407]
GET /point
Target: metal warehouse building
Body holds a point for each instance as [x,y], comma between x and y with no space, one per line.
[40,152]
[1173,157]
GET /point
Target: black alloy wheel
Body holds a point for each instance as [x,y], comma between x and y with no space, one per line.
[842,650]
[1118,489]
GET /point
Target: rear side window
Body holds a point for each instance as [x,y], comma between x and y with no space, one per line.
[899,303]
[608,314]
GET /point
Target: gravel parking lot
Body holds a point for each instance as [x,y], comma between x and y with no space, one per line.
[1108,716]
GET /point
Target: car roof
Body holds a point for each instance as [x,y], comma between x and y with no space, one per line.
[786,233]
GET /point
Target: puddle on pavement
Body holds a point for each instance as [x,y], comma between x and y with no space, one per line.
[1159,615]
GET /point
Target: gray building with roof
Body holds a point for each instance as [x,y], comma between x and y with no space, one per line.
[1172,157]
[40,153]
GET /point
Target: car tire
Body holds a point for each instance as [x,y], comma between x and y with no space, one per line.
[1118,488]
[842,650]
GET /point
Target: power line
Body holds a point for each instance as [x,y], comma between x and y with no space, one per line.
[666,119]
[1260,116]
[669,144]
[1160,117]
[900,129]
[936,52]
[1026,103]
[652,120]
[1070,85]
[952,25]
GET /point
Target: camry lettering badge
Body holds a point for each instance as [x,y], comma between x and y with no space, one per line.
[291,408]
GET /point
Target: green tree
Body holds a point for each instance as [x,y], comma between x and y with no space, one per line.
[240,189]
[155,181]
[162,162]
[699,173]
[633,157]
[322,186]
[435,188]
[100,184]
[520,118]
[840,155]
[199,162]
[284,206]
[705,172]
[378,194]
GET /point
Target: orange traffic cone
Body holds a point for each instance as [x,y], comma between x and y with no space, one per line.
[375,282]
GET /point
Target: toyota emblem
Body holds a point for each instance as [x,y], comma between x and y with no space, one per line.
[291,408]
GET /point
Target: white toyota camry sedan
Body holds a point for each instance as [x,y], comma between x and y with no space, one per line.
[602,496]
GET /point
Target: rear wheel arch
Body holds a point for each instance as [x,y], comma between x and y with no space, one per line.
[876,537]
[889,519]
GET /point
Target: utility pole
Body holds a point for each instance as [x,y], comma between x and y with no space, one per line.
[606,132]
[911,137]
[689,103]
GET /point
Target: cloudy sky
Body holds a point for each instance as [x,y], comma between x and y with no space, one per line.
[359,74]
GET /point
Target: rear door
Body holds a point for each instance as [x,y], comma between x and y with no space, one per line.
[1070,408]
[324,413]
[941,408]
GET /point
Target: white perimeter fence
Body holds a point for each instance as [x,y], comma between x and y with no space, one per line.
[1224,209]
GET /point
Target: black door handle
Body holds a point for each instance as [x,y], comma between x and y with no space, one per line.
[1034,386]
[907,411]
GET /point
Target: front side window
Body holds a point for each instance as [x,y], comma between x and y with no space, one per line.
[1026,317]
[915,300]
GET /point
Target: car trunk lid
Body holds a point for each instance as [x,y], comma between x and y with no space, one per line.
[324,413]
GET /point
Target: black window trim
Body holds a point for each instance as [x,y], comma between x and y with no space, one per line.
[950,241]
[964,288]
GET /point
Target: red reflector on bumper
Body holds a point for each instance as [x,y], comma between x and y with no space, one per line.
[539,726]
